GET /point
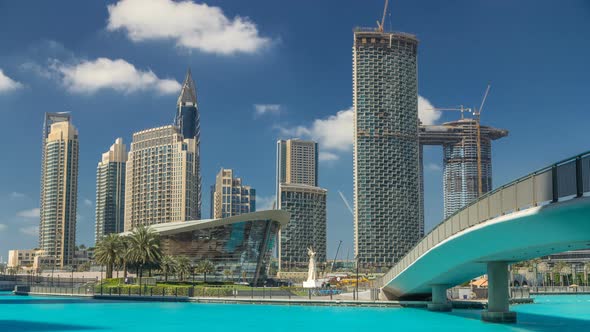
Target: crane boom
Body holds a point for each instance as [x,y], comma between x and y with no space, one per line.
[383,18]
[346,202]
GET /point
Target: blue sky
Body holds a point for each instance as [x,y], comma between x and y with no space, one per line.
[117,71]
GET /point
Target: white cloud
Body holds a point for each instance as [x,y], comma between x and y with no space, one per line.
[328,156]
[30,230]
[332,133]
[335,133]
[261,109]
[87,202]
[3,227]
[433,167]
[32,213]
[16,195]
[190,25]
[7,84]
[88,77]
[426,112]
[264,202]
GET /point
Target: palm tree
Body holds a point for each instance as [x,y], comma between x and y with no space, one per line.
[227,273]
[205,267]
[106,253]
[586,271]
[144,248]
[167,266]
[183,267]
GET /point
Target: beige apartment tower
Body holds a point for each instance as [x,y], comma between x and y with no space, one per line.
[161,178]
[230,196]
[57,231]
[297,162]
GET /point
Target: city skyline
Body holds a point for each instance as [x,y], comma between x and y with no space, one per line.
[518,92]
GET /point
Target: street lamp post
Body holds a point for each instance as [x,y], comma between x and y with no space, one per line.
[357,277]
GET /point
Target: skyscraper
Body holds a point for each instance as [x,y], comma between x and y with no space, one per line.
[59,185]
[460,171]
[387,199]
[230,196]
[110,191]
[297,162]
[298,193]
[160,179]
[50,118]
[306,227]
[187,120]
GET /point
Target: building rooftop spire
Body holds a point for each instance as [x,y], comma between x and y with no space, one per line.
[188,93]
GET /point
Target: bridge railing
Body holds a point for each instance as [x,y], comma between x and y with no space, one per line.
[561,181]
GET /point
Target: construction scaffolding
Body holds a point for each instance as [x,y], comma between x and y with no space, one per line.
[459,140]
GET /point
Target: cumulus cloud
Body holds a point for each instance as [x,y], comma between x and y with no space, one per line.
[7,84]
[335,133]
[190,25]
[262,109]
[264,202]
[32,213]
[30,230]
[332,133]
[88,77]
[3,227]
[426,112]
[87,202]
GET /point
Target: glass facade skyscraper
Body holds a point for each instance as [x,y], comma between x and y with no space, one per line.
[59,196]
[187,120]
[110,191]
[387,198]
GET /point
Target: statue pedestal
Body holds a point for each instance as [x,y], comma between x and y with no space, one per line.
[312,284]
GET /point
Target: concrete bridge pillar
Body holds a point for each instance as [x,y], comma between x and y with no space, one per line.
[498,295]
[439,299]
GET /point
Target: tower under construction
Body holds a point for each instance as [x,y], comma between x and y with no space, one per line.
[460,159]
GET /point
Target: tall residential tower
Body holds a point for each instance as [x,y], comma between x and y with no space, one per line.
[110,191]
[460,169]
[187,120]
[161,178]
[298,193]
[59,186]
[387,198]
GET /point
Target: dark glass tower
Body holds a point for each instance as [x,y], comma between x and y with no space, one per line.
[187,121]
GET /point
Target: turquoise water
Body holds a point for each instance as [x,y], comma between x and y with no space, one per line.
[22,313]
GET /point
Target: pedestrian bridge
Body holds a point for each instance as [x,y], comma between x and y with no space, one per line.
[539,214]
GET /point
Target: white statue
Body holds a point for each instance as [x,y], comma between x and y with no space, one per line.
[311,273]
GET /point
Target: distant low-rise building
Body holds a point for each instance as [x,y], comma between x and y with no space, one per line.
[22,258]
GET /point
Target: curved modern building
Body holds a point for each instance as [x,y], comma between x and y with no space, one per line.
[387,199]
[241,244]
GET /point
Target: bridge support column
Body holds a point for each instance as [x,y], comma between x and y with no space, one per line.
[498,295]
[439,299]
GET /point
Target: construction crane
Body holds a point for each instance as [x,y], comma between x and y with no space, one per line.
[476,115]
[460,108]
[346,202]
[380,24]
